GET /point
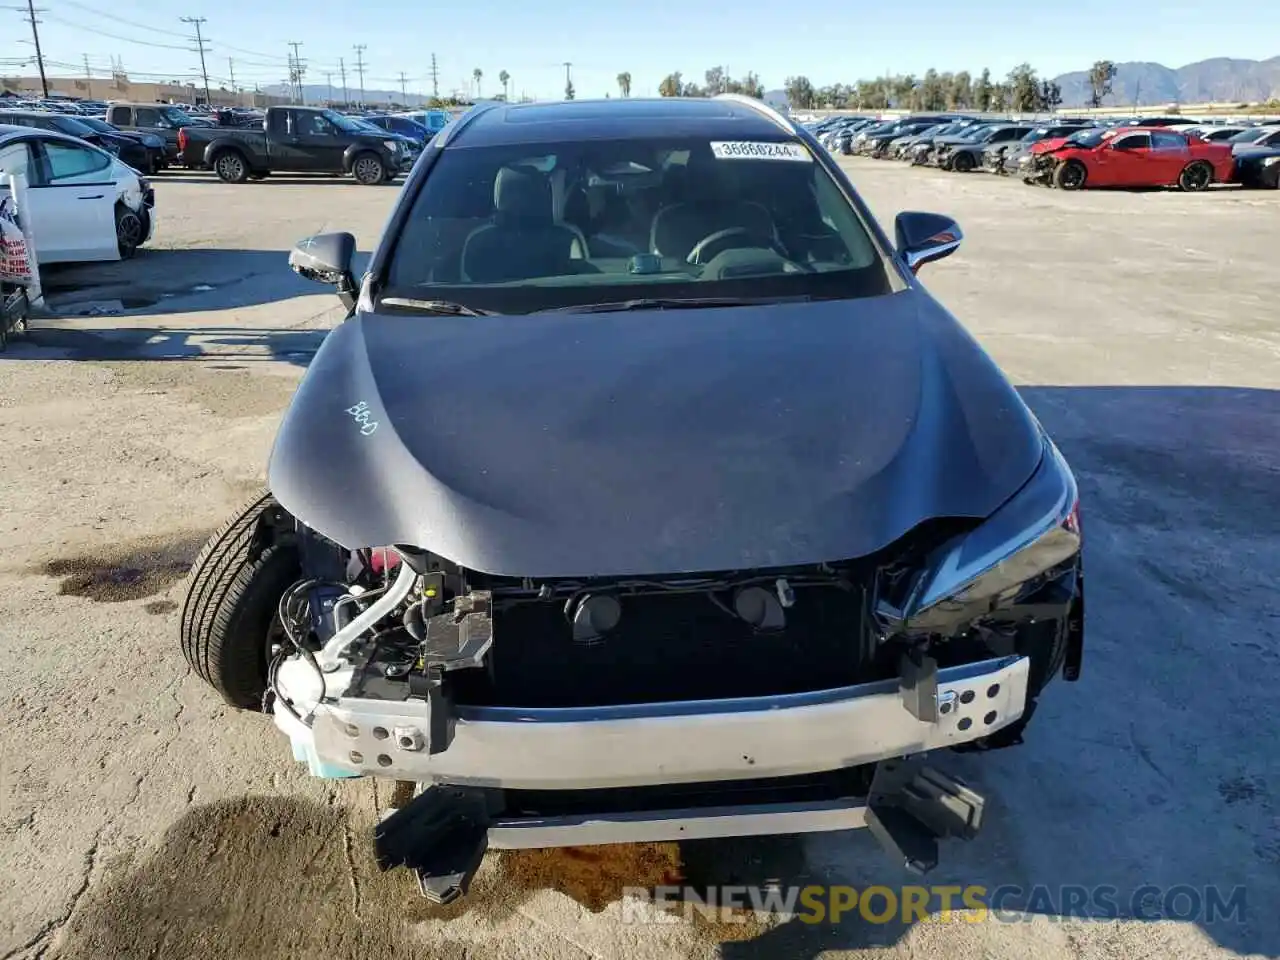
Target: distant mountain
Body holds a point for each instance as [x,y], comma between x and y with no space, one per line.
[1220,80]
[317,92]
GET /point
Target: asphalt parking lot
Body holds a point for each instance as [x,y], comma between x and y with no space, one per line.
[140,818]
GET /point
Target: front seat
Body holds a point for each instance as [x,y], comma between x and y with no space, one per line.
[696,207]
[523,241]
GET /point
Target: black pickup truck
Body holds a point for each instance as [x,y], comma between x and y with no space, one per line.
[298,140]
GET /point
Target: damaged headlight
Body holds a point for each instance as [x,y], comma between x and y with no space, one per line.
[1034,532]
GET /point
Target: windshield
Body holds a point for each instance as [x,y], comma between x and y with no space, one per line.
[178,118]
[592,221]
[347,124]
[1089,138]
[72,126]
[1249,136]
[95,124]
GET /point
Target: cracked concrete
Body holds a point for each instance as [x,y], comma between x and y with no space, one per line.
[140,817]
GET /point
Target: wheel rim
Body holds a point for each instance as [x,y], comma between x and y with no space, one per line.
[129,230]
[1071,177]
[230,167]
[1196,178]
[368,169]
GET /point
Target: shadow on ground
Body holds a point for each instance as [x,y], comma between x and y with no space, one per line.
[215,347]
[177,281]
[1145,785]
[311,180]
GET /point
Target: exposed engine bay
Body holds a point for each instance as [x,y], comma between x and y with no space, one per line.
[397,625]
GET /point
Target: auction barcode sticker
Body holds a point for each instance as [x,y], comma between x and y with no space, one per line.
[743,150]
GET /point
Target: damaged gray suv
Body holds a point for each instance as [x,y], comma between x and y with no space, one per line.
[644,494]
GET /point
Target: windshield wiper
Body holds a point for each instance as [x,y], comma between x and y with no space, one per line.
[673,303]
[445,308]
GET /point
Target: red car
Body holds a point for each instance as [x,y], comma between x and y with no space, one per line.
[1131,157]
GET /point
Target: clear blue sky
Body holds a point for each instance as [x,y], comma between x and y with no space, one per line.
[826,40]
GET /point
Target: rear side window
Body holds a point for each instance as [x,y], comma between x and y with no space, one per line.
[15,160]
[119,116]
[1163,140]
[147,117]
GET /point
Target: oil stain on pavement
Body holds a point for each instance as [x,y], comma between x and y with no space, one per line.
[142,570]
[257,877]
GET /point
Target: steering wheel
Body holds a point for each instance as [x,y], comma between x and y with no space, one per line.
[695,255]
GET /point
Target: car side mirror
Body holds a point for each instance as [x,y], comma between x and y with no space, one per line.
[925,237]
[326,258]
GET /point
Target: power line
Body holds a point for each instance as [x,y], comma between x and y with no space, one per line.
[113,36]
[197,22]
[119,19]
[359,49]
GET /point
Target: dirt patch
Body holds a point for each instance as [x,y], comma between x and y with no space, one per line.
[160,607]
[224,393]
[128,573]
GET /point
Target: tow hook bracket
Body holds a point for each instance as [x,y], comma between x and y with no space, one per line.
[441,835]
[918,685]
[912,806]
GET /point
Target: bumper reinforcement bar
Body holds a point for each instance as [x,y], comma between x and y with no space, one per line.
[444,832]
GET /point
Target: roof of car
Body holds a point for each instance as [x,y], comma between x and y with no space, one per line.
[9,133]
[714,118]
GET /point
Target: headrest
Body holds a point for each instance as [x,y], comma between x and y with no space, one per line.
[522,193]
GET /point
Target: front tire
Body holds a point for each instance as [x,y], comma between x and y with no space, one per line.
[963,163]
[368,169]
[231,167]
[1195,177]
[1072,175]
[235,586]
[131,231]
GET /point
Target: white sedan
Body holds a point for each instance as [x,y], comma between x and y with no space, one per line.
[82,204]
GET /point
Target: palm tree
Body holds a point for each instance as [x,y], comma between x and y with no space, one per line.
[504,78]
[477,74]
[624,83]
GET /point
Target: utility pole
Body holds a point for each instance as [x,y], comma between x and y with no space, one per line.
[435,78]
[298,71]
[35,35]
[328,79]
[403,92]
[342,70]
[360,49]
[197,22]
[88,77]
[568,80]
[231,65]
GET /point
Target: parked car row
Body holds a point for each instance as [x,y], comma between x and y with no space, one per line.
[1070,153]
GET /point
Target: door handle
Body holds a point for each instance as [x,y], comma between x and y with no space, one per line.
[95,196]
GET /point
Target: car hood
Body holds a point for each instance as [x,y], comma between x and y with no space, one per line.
[1256,153]
[1048,145]
[1242,150]
[651,442]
